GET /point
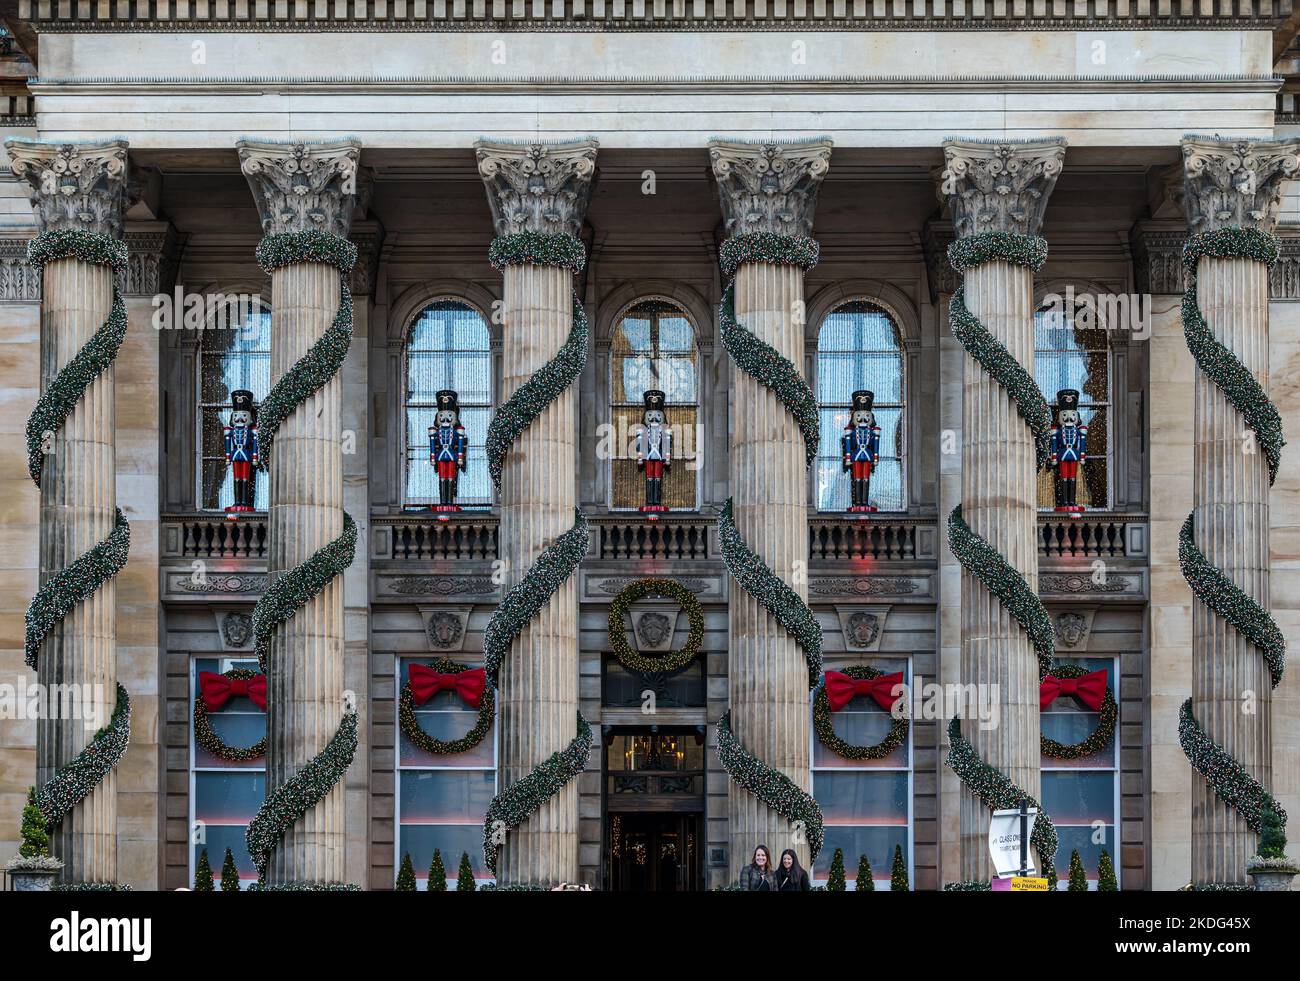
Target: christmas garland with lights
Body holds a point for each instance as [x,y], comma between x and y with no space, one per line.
[673,660]
[206,736]
[510,808]
[1099,738]
[996,790]
[558,561]
[770,785]
[294,588]
[975,554]
[85,575]
[410,721]
[1213,587]
[825,729]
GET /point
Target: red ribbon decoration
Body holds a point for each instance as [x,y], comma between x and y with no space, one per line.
[217,690]
[841,689]
[468,684]
[1089,689]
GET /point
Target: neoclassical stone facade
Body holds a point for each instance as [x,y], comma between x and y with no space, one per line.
[421,133]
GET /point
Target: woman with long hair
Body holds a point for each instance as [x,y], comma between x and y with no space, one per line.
[758,875]
[790,876]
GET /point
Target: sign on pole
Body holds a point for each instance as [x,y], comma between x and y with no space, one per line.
[1004,842]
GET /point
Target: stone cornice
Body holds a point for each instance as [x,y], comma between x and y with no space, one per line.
[537,187]
[769,187]
[75,186]
[999,186]
[302,186]
[1236,182]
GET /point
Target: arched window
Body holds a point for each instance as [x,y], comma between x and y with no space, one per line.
[1072,350]
[447,347]
[653,347]
[859,346]
[229,360]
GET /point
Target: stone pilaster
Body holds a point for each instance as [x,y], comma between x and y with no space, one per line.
[1231,184]
[768,188]
[298,188]
[78,187]
[998,187]
[543,189]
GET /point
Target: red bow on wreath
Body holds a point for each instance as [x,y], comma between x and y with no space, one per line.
[217,690]
[468,684]
[1089,689]
[841,689]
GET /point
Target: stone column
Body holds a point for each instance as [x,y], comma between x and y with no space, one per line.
[768,188]
[298,188]
[542,189]
[78,187]
[1231,184]
[999,188]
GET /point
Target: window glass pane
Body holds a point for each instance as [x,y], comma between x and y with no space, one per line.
[419,841]
[1089,841]
[877,843]
[623,688]
[215,840]
[865,812]
[227,797]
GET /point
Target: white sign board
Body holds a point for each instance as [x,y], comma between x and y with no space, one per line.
[1004,842]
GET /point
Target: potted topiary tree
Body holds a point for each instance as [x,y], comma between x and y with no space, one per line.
[1106,881]
[1271,870]
[835,882]
[437,873]
[465,875]
[1078,878]
[406,875]
[33,869]
[865,882]
[898,875]
[229,873]
[203,874]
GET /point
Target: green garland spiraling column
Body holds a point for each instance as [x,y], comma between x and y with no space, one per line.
[1213,587]
[76,582]
[766,365]
[294,588]
[512,806]
[996,790]
[975,554]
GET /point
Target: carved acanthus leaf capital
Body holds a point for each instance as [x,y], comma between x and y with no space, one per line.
[302,187]
[1236,182]
[77,186]
[537,187]
[999,187]
[769,187]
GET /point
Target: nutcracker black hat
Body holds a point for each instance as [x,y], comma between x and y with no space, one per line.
[1067,398]
[654,399]
[863,401]
[241,400]
[447,402]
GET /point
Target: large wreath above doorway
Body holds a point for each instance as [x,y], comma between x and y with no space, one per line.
[673,660]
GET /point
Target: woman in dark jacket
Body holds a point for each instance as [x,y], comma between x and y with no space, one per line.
[757,876]
[789,876]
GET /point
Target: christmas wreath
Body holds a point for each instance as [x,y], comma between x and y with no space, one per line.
[444,674]
[215,690]
[673,660]
[838,689]
[1090,688]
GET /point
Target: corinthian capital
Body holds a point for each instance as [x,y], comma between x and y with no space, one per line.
[1236,182]
[302,187]
[769,187]
[999,187]
[537,187]
[78,186]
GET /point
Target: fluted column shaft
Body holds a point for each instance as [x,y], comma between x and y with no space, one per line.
[1231,686]
[767,675]
[539,678]
[78,504]
[998,502]
[305,674]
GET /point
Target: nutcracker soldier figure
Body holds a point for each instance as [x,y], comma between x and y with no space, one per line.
[448,446]
[241,451]
[1069,450]
[654,451]
[861,450]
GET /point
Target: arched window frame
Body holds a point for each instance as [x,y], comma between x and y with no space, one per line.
[894,302]
[412,308]
[223,408]
[690,305]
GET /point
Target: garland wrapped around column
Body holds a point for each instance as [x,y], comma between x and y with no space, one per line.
[292,589]
[772,370]
[1229,778]
[73,584]
[512,806]
[975,554]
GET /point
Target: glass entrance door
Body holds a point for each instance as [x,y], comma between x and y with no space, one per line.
[654,852]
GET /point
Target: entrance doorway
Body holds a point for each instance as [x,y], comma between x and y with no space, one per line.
[654,852]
